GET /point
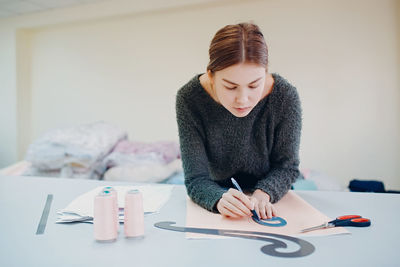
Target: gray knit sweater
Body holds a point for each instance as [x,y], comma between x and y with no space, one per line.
[260,150]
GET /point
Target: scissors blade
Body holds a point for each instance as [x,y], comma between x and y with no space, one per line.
[324,225]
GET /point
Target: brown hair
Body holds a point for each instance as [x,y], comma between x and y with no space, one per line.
[235,44]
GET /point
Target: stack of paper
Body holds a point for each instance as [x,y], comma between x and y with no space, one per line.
[81,208]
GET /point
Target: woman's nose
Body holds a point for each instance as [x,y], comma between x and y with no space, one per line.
[241,97]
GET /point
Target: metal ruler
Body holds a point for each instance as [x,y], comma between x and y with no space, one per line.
[45,215]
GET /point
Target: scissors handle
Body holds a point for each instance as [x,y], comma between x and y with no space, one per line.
[356,222]
[343,218]
[347,217]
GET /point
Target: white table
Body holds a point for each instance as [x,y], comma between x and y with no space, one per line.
[22,200]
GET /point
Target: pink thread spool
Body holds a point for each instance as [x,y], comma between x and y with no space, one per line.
[134,214]
[104,217]
[114,195]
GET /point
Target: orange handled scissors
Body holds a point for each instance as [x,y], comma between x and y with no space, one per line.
[346,220]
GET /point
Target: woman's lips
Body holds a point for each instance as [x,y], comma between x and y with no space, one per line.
[242,110]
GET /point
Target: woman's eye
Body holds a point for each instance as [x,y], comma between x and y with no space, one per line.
[230,88]
[253,86]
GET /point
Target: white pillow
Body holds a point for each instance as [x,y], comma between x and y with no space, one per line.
[149,172]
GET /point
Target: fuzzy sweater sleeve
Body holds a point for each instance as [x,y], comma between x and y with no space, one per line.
[200,187]
[284,156]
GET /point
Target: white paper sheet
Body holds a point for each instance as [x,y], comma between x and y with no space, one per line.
[81,208]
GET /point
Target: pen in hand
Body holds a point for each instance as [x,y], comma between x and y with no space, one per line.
[240,189]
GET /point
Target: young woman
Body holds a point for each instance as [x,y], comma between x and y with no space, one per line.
[237,120]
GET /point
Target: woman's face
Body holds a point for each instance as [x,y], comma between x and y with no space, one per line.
[239,87]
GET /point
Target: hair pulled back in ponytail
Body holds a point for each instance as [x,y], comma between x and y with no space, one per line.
[238,43]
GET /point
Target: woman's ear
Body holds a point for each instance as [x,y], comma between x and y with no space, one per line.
[210,75]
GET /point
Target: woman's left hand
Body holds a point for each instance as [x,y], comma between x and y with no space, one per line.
[262,204]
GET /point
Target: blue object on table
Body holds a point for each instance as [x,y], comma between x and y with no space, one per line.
[177,178]
[302,184]
[274,221]
[370,186]
[366,186]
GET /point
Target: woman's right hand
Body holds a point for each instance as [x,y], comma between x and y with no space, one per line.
[235,204]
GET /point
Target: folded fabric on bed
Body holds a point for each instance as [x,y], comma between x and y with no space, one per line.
[142,162]
[135,153]
[75,151]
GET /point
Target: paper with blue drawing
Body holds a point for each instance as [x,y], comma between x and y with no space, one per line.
[293,209]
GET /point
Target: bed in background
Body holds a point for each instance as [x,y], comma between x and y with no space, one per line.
[313,179]
[102,151]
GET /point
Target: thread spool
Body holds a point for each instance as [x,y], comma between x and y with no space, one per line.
[134,214]
[114,195]
[104,217]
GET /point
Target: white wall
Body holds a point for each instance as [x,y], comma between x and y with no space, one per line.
[343,56]
[15,86]
[8,105]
